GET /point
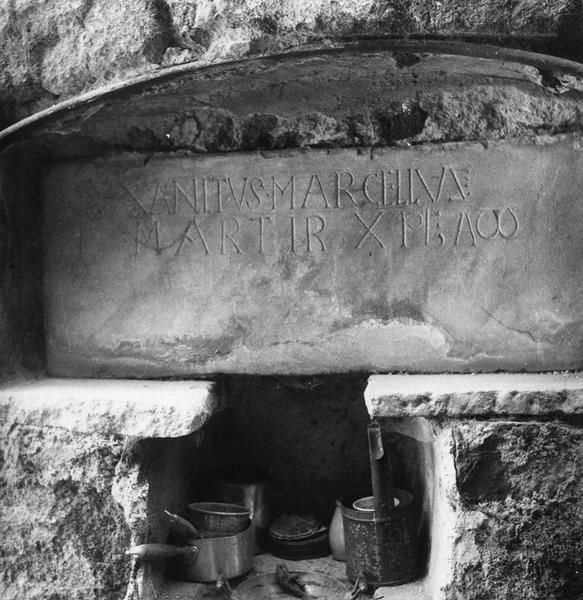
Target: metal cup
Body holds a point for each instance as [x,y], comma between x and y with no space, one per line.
[248,486]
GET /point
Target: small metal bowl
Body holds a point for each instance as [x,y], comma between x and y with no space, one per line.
[366,504]
[214,519]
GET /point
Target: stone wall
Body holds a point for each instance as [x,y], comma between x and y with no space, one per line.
[506,518]
[520,530]
[498,501]
[84,474]
[51,50]
[74,496]
[63,534]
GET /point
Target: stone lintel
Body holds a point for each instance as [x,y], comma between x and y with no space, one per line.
[483,395]
[212,268]
[110,407]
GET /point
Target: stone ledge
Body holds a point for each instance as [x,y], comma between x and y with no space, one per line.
[122,407]
[504,395]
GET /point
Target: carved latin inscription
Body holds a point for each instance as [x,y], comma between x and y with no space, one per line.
[226,213]
[450,257]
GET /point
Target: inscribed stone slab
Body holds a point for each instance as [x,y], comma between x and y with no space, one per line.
[458,257]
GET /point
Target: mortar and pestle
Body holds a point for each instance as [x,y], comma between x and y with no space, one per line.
[379,543]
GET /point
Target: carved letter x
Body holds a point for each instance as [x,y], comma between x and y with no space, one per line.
[369,230]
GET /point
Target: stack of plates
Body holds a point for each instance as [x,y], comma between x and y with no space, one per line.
[297,537]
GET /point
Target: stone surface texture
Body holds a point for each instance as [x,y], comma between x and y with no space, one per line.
[381,93]
[63,534]
[337,99]
[78,486]
[50,50]
[457,269]
[485,395]
[405,96]
[139,409]
[519,524]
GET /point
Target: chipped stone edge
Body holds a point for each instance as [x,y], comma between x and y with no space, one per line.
[466,395]
[420,44]
[132,408]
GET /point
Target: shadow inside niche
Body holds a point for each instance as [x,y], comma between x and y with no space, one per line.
[309,433]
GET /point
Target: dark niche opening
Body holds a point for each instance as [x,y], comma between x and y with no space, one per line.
[310,435]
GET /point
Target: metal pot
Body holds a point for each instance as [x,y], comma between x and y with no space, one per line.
[205,560]
[248,486]
[228,556]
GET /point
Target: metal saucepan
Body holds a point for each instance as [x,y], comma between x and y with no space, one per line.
[228,556]
[205,560]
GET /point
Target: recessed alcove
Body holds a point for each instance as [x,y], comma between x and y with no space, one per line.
[311,434]
[173,428]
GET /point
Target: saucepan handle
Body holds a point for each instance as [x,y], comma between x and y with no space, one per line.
[150,552]
[182,526]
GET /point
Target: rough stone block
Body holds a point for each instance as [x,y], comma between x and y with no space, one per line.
[63,534]
[519,527]
[86,468]
[51,48]
[453,258]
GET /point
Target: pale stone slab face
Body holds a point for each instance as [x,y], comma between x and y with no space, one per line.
[541,395]
[134,408]
[453,258]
